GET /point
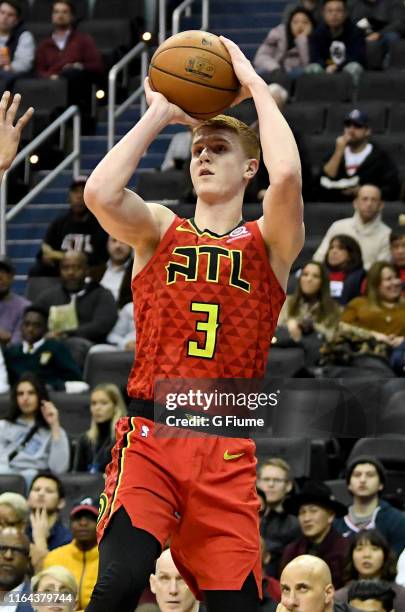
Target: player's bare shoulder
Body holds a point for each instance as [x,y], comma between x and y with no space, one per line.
[162,215]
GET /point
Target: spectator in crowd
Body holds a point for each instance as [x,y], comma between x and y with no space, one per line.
[380,314]
[344,263]
[55,579]
[309,316]
[14,569]
[122,336]
[277,527]
[397,247]
[316,509]
[118,271]
[356,161]
[366,479]
[80,556]
[286,46]
[373,595]
[270,585]
[46,530]
[93,450]
[47,358]
[12,305]
[313,6]
[78,310]
[168,586]
[400,579]
[16,43]
[380,20]
[76,230]
[31,438]
[71,55]
[337,44]
[14,511]
[370,558]
[178,152]
[365,226]
[306,586]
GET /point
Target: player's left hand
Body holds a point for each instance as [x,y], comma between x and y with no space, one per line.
[244,70]
[10,134]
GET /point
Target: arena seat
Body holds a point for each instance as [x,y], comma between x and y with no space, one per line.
[321,215]
[168,185]
[4,404]
[74,411]
[397,54]
[309,248]
[110,367]
[396,120]
[284,362]
[245,111]
[41,10]
[38,284]
[45,95]
[340,491]
[79,485]
[319,147]
[324,88]
[393,144]
[12,482]
[388,86]
[296,451]
[374,55]
[375,110]
[102,9]
[112,37]
[306,118]
[390,450]
[392,416]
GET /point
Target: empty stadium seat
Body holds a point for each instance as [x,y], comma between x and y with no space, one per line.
[393,144]
[337,112]
[112,37]
[168,185]
[79,485]
[45,95]
[386,86]
[306,118]
[320,147]
[321,215]
[111,367]
[389,450]
[74,413]
[38,284]
[12,482]
[41,10]
[284,362]
[340,491]
[397,54]
[396,121]
[245,111]
[392,417]
[324,88]
[296,451]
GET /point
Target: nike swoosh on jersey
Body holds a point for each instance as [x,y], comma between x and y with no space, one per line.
[228,457]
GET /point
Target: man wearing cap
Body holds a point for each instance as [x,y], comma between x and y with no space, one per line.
[366,479]
[316,509]
[355,161]
[76,230]
[12,306]
[365,226]
[81,555]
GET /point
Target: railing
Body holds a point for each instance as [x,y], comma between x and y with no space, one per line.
[23,156]
[113,113]
[182,8]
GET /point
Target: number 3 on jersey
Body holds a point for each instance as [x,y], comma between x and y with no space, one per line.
[209,327]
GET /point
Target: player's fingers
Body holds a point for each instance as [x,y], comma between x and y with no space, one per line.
[13,108]
[5,98]
[22,122]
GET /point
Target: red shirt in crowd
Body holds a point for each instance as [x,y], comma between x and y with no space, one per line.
[80,47]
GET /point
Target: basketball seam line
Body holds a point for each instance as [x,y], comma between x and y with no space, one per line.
[194,49]
[176,76]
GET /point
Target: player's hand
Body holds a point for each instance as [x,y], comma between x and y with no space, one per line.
[244,70]
[10,134]
[175,113]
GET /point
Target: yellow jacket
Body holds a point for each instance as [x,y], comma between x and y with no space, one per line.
[82,564]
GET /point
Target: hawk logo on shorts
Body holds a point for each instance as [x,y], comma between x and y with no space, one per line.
[102,506]
[229,457]
[144,431]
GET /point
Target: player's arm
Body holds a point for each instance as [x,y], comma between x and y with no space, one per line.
[121,212]
[10,134]
[282,222]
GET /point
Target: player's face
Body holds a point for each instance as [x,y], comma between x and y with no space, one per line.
[301,591]
[172,593]
[368,559]
[369,605]
[334,13]
[390,285]
[218,165]
[49,584]
[274,483]
[101,407]
[310,280]
[368,203]
[315,521]
[365,481]
[61,15]
[337,254]
[398,251]
[44,494]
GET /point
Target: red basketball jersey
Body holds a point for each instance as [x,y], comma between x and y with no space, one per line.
[206,306]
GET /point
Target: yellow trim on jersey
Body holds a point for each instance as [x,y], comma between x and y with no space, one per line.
[193,230]
[121,468]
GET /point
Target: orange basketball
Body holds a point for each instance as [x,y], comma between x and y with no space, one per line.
[193,69]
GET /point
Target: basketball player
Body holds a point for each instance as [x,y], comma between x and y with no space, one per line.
[208,292]
[10,134]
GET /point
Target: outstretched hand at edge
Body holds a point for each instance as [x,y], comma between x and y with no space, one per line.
[10,134]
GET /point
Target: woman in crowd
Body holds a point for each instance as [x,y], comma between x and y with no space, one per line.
[14,511]
[286,46]
[309,316]
[345,266]
[31,437]
[93,451]
[370,557]
[55,581]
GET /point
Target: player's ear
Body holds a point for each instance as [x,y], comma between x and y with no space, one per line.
[252,166]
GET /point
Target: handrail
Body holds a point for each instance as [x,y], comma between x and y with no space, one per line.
[113,113]
[162,21]
[72,158]
[182,7]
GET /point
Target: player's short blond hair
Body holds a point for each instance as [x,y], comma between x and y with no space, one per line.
[249,139]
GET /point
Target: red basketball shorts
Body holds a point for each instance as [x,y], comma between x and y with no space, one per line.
[198,491]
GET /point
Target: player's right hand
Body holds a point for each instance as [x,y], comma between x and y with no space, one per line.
[175,113]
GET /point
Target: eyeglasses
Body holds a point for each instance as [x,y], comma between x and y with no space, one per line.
[4,524]
[274,480]
[16,550]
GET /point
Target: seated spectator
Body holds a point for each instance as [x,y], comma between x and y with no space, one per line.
[370,558]
[178,152]
[76,230]
[80,556]
[313,6]
[31,438]
[397,246]
[365,226]
[344,263]
[118,271]
[382,21]
[306,586]
[168,585]
[316,509]
[277,527]
[14,511]
[14,569]
[355,161]
[12,306]
[366,479]
[55,579]
[122,335]
[309,315]
[47,358]
[372,595]
[93,450]
[286,46]
[4,386]
[270,586]
[337,44]
[78,309]
[381,314]
[70,55]
[46,531]
[16,42]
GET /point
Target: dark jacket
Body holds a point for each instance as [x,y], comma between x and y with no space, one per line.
[58,536]
[382,15]
[96,310]
[12,42]
[321,39]
[389,521]
[90,457]
[80,47]
[333,550]
[26,590]
[278,529]
[51,362]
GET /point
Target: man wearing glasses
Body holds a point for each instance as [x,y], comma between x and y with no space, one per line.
[14,567]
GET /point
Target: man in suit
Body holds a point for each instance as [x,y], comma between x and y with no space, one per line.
[14,568]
